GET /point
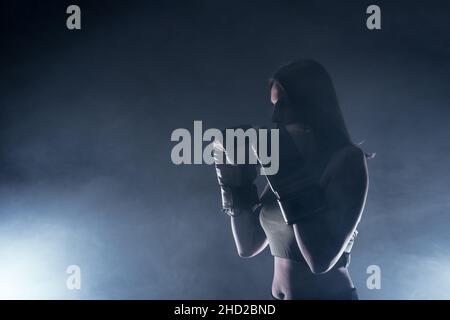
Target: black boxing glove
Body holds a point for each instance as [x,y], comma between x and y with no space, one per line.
[299,198]
[296,188]
[236,181]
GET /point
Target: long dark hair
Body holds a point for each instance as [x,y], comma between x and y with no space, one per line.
[310,91]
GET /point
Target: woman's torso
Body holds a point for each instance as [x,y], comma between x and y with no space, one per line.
[293,278]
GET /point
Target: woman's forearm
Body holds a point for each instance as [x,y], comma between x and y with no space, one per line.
[319,246]
[248,234]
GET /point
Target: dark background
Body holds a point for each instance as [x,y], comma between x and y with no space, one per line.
[86,116]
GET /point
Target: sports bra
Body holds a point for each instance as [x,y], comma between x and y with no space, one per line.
[297,147]
[281,237]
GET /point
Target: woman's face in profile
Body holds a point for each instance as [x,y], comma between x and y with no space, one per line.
[275,92]
[284,111]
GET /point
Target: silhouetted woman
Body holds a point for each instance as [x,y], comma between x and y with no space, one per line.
[309,210]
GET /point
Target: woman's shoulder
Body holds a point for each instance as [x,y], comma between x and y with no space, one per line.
[350,154]
[351,150]
[346,160]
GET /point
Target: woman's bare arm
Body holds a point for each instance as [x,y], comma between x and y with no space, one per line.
[248,234]
[324,237]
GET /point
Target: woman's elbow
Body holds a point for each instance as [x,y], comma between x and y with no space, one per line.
[319,267]
[320,257]
[321,263]
[247,253]
[251,251]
